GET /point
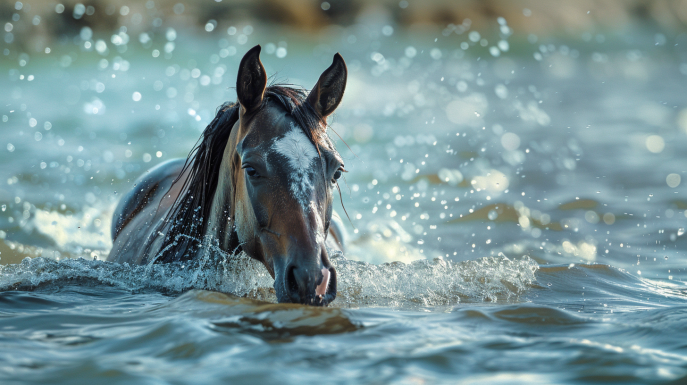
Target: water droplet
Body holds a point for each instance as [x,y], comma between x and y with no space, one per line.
[680,231]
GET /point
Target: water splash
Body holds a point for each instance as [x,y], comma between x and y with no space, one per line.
[432,283]
[241,275]
[418,284]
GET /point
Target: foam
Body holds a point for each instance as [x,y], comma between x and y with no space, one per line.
[433,282]
[87,229]
[360,284]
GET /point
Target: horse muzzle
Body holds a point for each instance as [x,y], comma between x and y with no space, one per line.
[310,286]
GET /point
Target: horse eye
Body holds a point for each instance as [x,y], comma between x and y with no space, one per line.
[337,174]
[250,171]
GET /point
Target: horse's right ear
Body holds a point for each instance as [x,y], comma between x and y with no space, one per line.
[251,80]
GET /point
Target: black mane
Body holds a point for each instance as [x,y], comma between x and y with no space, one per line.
[187,221]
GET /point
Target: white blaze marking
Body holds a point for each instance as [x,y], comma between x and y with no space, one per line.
[300,153]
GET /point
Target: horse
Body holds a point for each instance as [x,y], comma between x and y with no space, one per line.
[259,180]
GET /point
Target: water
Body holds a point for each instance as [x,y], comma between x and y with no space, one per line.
[513,219]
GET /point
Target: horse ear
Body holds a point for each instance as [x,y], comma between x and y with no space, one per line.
[329,90]
[251,80]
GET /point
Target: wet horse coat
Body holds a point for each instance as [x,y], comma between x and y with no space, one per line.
[260,180]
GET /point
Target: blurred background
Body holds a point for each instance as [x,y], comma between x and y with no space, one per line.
[50,20]
[551,129]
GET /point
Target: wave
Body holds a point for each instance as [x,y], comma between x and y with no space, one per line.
[417,284]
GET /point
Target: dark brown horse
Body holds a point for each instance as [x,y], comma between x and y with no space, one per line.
[259,180]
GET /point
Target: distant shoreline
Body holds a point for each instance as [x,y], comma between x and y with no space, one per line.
[51,19]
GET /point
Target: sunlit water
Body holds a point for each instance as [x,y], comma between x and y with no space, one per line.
[516,209]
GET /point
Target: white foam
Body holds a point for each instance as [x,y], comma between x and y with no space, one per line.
[88,229]
[432,283]
[360,284]
[240,275]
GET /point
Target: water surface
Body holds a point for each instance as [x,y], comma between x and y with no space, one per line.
[516,218]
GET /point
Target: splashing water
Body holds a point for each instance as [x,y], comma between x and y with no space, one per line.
[433,283]
[420,283]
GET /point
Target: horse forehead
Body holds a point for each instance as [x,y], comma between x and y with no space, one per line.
[296,157]
[297,148]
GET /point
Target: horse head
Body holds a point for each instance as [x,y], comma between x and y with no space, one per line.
[284,169]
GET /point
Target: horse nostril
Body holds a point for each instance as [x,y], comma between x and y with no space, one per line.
[292,284]
[309,286]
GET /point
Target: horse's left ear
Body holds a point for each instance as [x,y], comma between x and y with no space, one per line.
[329,90]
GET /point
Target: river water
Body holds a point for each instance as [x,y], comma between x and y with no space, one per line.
[516,207]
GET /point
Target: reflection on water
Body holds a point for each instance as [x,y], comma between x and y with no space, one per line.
[264,318]
[516,209]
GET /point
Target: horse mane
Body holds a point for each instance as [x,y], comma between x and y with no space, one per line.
[187,221]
